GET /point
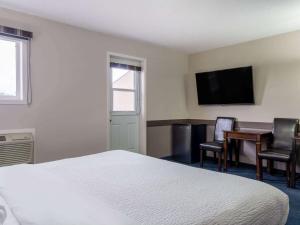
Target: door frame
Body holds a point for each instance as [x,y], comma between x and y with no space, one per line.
[142,98]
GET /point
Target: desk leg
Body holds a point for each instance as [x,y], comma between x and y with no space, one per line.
[237,152]
[258,162]
[225,152]
[293,169]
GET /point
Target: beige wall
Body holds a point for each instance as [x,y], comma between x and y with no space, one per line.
[69,109]
[69,86]
[159,141]
[276,64]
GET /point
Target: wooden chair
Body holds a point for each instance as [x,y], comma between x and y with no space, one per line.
[217,145]
[282,147]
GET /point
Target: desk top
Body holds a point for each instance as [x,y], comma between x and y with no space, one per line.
[248,135]
[257,132]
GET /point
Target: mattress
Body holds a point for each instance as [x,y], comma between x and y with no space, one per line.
[119,187]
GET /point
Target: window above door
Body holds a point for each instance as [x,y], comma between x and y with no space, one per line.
[125,77]
[124,90]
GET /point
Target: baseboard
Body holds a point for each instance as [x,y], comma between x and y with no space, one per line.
[170,158]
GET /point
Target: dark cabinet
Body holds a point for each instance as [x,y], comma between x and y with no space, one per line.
[185,142]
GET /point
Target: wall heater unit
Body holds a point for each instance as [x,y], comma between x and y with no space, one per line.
[16,148]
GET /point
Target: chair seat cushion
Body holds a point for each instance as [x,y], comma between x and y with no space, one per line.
[276,154]
[212,146]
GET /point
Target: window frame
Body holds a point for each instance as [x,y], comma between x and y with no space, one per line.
[136,92]
[22,66]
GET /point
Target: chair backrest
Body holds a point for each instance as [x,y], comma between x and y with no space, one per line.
[284,130]
[223,124]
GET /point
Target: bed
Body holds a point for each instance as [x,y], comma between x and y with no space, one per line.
[119,187]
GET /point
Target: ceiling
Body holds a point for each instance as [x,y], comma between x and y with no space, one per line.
[187,25]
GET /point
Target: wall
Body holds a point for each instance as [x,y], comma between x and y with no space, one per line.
[276,64]
[159,135]
[69,109]
[159,141]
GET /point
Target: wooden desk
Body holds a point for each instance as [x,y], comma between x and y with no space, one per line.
[256,136]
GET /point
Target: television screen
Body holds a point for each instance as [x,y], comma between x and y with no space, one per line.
[230,86]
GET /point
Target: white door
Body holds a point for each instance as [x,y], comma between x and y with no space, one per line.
[125,106]
[124,133]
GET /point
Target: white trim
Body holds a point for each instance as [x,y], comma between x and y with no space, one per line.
[142,100]
[143,108]
[19,70]
[13,102]
[123,89]
[25,70]
[108,81]
[123,113]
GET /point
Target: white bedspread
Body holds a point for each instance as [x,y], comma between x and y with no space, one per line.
[119,187]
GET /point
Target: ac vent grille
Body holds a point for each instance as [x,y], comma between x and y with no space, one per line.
[16,149]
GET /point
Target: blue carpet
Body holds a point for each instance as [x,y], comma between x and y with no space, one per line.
[278,179]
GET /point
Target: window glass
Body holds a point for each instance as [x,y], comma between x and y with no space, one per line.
[122,79]
[8,67]
[123,101]
[14,67]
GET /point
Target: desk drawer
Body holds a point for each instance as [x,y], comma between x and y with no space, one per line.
[242,136]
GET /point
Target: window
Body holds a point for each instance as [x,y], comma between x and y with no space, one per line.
[13,70]
[124,90]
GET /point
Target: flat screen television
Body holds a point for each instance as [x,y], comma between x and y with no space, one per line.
[230,86]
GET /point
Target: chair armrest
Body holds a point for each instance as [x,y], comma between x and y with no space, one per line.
[296,144]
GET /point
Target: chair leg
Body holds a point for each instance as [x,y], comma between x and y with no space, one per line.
[259,166]
[270,165]
[220,161]
[230,156]
[288,174]
[201,157]
[293,174]
[215,156]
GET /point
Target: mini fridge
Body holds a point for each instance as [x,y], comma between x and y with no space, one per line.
[185,142]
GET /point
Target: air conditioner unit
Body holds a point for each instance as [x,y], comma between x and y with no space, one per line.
[16,148]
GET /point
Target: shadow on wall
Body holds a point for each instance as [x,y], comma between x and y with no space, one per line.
[260,79]
[186,80]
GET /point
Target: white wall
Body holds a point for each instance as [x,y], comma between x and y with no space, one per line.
[69,109]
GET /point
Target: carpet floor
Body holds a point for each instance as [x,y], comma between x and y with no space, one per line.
[278,179]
